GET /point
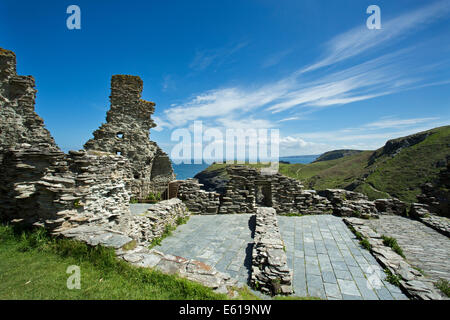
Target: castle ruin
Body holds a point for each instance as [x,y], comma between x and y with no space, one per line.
[126,132]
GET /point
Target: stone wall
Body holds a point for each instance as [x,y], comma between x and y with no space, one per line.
[348,203]
[59,191]
[197,200]
[126,132]
[270,272]
[412,282]
[152,223]
[391,206]
[41,185]
[248,188]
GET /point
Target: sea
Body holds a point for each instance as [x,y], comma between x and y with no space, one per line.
[184,171]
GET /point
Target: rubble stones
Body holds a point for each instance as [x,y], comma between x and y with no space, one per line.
[140,256]
[422,213]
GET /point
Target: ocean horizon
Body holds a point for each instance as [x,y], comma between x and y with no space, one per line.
[185,171]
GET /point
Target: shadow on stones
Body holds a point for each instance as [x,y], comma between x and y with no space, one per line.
[252,225]
[248,260]
[249,248]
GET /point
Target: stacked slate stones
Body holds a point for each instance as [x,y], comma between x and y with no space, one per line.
[126,132]
[41,185]
[348,203]
[197,200]
[270,273]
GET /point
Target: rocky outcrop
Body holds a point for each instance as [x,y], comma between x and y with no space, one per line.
[126,132]
[394,146]
[213,180]
[437,194]
[422,213]
[412,282]
[270,272]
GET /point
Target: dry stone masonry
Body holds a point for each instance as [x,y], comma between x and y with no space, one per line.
[152,223]
[126,132]
[197,200]
[412,282]
[348,203]
[41,185]
[270,272]
[85,195]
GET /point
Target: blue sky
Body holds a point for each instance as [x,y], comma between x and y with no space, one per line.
[309,68]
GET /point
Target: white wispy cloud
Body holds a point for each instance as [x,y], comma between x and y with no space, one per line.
[398,123]
[275,58]
[306,92]
[223,102]
[205,58]
[360,39]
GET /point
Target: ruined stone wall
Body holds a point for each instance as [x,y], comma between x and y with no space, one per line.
[19,121]
[40,184]
[248,188]
[349,203]
[270,272]
[197,200]
[152,223]
[126,132]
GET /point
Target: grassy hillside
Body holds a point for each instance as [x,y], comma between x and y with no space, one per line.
[336,154]
[396,170]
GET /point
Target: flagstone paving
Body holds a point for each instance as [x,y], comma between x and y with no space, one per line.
[222,241]
[423,247]
[324,255]
[329,263]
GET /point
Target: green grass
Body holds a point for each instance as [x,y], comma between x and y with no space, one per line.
[444,286]
[392,278]
[365,244]
[362,240]
[168,231]
[33,266]
[392,242]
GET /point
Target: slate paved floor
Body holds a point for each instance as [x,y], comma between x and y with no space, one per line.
[325,256]
[424,247]
[329,263]
[222,241]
